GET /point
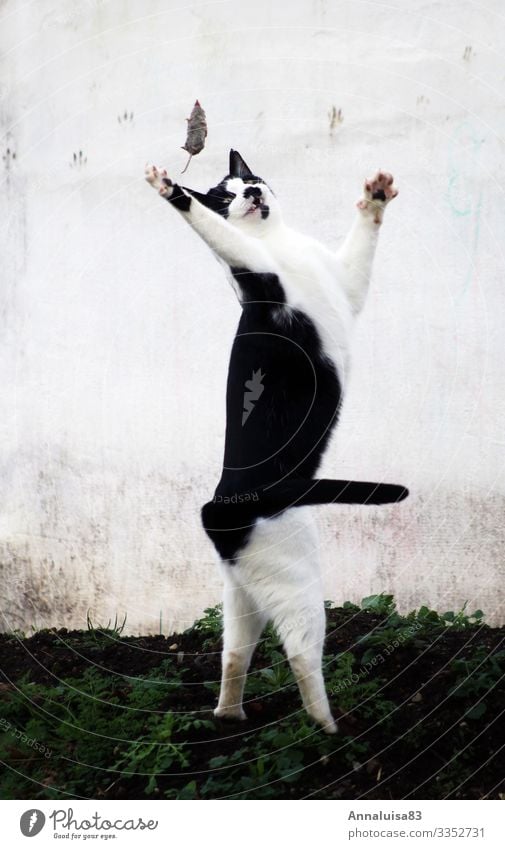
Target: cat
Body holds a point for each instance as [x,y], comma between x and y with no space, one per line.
[287,373]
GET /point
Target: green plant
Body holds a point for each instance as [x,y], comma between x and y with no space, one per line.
[382,604]
[269,641]
[210,626]
[100,634]
[159,753]
[476,677]
[211,622]
[460,619]
[270,679]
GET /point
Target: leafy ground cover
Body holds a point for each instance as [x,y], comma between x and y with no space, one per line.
[419,700]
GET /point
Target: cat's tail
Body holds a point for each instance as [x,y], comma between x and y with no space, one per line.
[299,492]
[229,518]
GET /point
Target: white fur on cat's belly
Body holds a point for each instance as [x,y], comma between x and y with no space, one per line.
[280,571]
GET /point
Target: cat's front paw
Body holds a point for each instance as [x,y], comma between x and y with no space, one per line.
[159,180]
[378,192]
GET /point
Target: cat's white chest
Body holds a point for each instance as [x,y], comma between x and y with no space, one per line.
[310,282]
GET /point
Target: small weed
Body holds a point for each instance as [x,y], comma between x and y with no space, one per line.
[157,755]
[268,680]
[99,635]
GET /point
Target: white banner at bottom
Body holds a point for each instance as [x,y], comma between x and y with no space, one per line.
[153,824]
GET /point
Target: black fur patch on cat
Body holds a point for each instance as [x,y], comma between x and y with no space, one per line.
[287,427]
[217,199]
[260,290]
[252,192]
[181,201]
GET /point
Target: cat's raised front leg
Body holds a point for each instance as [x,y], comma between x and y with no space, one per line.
[232,246]
[357,252]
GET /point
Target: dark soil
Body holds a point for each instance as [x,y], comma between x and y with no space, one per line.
[419,701]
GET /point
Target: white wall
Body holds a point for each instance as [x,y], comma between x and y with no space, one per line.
[117,322]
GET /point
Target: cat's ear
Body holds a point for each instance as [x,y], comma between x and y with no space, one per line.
[238,168]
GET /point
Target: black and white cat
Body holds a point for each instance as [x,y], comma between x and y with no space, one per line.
[286,378]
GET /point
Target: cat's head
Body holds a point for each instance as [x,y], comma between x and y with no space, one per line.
[244,199]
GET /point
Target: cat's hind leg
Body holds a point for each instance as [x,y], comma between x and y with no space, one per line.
[243,625]
[281,569]
[303,644]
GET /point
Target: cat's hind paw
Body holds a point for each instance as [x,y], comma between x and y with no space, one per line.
[325,721]
[159,180]
[378,192]
[232,713]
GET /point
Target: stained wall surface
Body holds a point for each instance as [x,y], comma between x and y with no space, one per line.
[117,322]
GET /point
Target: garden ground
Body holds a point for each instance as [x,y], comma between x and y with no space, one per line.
[419,701]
